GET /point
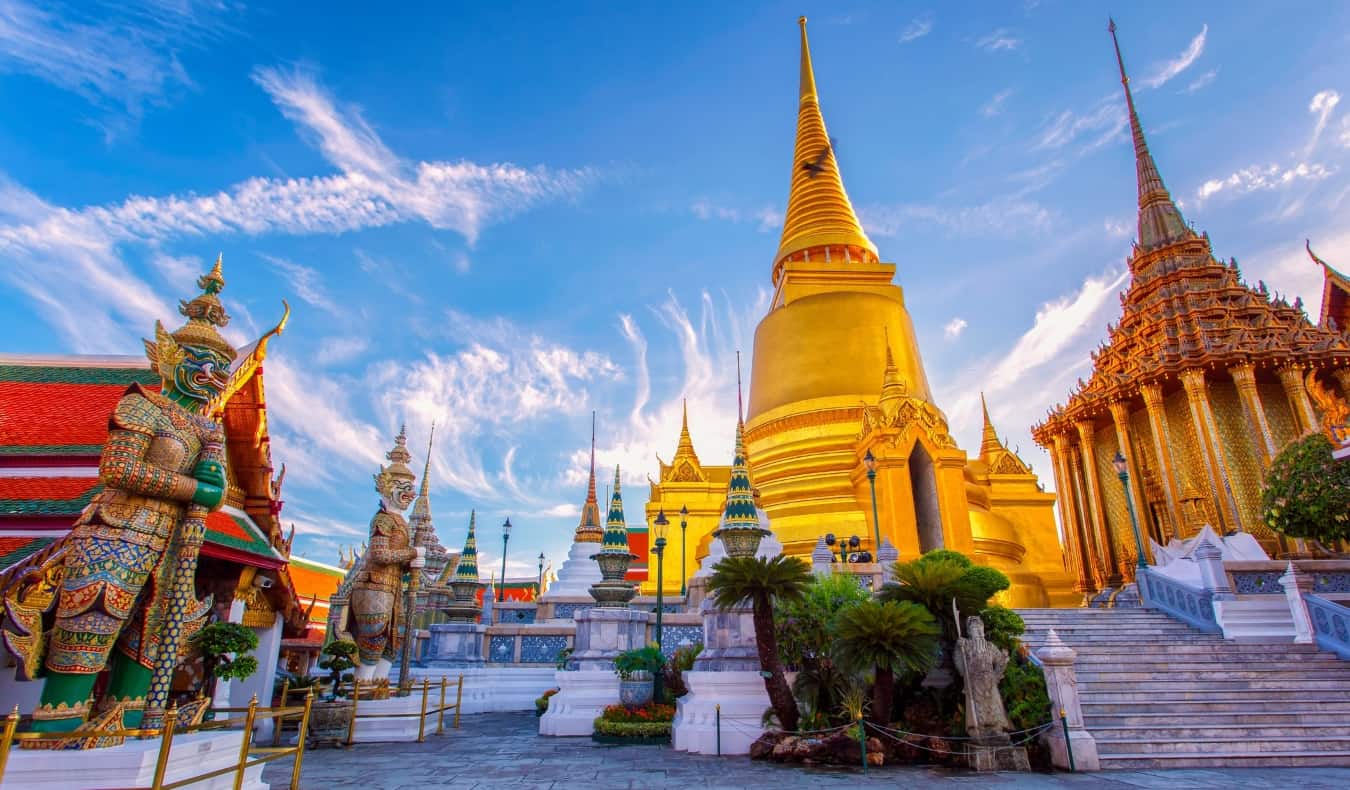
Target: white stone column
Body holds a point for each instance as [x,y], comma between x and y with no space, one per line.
[1209,556]
[1061,681]
[1297,584]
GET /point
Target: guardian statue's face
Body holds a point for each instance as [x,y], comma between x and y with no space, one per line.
[202,374]
[399,495]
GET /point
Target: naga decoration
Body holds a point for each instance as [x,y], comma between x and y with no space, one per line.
[1335,412]
[121,596]
[374,606]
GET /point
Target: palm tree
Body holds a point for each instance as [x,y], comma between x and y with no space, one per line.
[934,580]
[760,581]
[886,638]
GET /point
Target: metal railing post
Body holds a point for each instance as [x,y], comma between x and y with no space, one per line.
[862,741]
[459,696]
[440,710]
[277,723]
[1068,742]
[165,744]
[300,743]
[248,738]
[422,717]
[718,712]
[11,724]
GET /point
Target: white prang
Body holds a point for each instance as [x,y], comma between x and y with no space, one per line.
[577,574]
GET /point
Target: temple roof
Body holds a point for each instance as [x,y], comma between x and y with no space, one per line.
[819,213]
[589,530]
[685,466]
[1335,294]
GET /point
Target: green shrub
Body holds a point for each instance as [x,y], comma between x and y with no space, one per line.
[803,626]
[639,714]
[681,661]
[941,555]
[564,656]
[1003,627]
[223,647]
[341,656]
[627,729]
[640,659]
[1306,493]
[541,704]
[1024,694]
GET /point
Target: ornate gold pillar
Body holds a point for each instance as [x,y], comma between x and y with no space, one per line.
[1106,540]
[1120,415]
[1202,417]
[1094,571]
[1162,447]
[1080,563]
[1244,377]
[1291,377]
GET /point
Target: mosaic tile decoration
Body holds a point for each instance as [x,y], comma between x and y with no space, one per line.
[564,611]
[674,637]
[515,616]
[1258,582]
[541,649]
[502,649]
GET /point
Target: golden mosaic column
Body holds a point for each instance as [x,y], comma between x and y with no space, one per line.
[1244,376]
[1080,565]
[1162,447]
[1202,417]
[1120,415]
[1093,569]
[1291,377]
[1107,541]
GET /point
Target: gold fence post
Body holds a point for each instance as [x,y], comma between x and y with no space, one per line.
[440,710]
[11,724]
[277,722]
[248,741]
[300,744]
[165,744]
[356,700]
[422,717]
[459,697]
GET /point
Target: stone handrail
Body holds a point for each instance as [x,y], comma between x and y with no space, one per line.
[1191,605]
[1330,624]
[1262,577]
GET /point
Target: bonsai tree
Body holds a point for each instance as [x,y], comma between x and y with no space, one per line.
[761,582]
[886,639]
[1307,492]
[339,659]
[224,648]
[641,659]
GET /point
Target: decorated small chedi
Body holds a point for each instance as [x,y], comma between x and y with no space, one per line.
[375,608]
[614,557]
[124,588]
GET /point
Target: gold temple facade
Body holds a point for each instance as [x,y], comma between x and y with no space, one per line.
[837,373]
[1200,384]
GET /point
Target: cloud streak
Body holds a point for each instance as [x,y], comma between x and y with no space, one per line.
[917,28]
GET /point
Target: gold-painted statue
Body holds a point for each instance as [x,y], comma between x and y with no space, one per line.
[375,607]
[121,595]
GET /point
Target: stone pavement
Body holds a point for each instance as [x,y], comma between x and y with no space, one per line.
[494,750]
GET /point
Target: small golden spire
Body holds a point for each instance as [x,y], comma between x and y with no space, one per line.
[685,449]
[989,442]
[892,386]
[820,220]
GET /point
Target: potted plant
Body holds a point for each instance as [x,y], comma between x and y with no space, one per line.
[328,718]
[224,648]
[636,670]
[541,704]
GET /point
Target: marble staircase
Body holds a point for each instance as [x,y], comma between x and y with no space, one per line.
[1157,693]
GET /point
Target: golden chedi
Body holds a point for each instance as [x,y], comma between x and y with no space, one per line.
[837,372]
[1198,387]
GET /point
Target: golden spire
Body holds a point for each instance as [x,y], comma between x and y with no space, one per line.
[892,386]
[820,220]
[989,442]
[685,449]
[1160,221]
[590,530]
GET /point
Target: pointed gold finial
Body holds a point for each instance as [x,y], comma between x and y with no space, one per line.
[989,442]
[893,387]
[589,529]
[819,221]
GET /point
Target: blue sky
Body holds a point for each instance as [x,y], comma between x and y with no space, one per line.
[500,217]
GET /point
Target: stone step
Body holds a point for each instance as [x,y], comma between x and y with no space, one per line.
[1227,745]
[1314,715]
[1318,688]
[1180,708]
[1226,651]
[1094,662]
[1297,676]
[1134,761]
[1226,732]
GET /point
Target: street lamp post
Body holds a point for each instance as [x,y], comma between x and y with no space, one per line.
[1123,472]
[871,461]
[659,527]
[684,564]
[539,588]
[501,585]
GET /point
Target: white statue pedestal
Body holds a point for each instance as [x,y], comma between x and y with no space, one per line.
[743,700]
[399,729]
[582,696]
[455,646]
[132,764]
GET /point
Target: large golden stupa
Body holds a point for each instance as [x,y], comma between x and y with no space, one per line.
[836,373]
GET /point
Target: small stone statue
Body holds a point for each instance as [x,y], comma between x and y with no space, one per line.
[982,664]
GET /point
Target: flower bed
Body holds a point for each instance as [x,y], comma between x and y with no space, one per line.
[648,723]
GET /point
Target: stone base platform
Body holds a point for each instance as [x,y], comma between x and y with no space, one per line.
[489,689]
[399,729]
[132,764]
[582,696]
[743,700]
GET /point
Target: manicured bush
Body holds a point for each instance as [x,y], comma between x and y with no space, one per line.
[651,712]
[223,647]
[642,659]
[541,704]
[630,729]
[1307,492]
[1003,627]
[1024,694]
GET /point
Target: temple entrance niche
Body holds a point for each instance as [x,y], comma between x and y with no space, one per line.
[923,482]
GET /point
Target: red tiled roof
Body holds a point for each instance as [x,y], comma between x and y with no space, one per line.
[237,532]
[14,548]
[46,496]
[48,410]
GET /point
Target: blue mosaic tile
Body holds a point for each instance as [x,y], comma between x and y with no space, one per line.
[1338,582]
[502,649]
[674,637]
[564,611]
[1258,582]
[541,649]
[515,616]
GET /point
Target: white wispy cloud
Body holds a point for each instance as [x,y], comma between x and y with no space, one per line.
[306,282]
[1000,39]
[1165,72]
[113,55]
[954,328]
[337,350]
[1201,81]
[765,218]
[917,28]
[1101,123]
[1005,216]
[1323,104]
[995,104]
[1262,177]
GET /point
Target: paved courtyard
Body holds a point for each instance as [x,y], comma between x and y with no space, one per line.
[503,750]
